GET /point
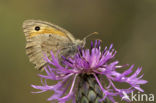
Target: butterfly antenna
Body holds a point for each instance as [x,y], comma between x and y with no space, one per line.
[94,33]
[84,39]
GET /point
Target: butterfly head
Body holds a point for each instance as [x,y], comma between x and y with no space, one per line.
[81,43]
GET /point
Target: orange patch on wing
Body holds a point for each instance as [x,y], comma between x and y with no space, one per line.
[47,31]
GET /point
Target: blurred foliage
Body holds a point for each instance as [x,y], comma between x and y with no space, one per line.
[129,24]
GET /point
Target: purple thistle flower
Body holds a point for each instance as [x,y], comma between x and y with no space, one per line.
[89,61]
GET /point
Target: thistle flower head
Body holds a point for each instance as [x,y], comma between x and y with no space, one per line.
[93,61]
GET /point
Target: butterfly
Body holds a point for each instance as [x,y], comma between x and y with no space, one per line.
[44,37]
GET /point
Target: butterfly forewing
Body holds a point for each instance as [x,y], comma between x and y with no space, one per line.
[43,37]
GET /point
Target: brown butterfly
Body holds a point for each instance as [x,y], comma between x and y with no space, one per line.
[43,37]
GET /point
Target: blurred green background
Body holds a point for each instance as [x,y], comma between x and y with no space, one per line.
[129,24]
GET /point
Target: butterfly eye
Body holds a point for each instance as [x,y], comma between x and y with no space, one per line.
[37,28]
